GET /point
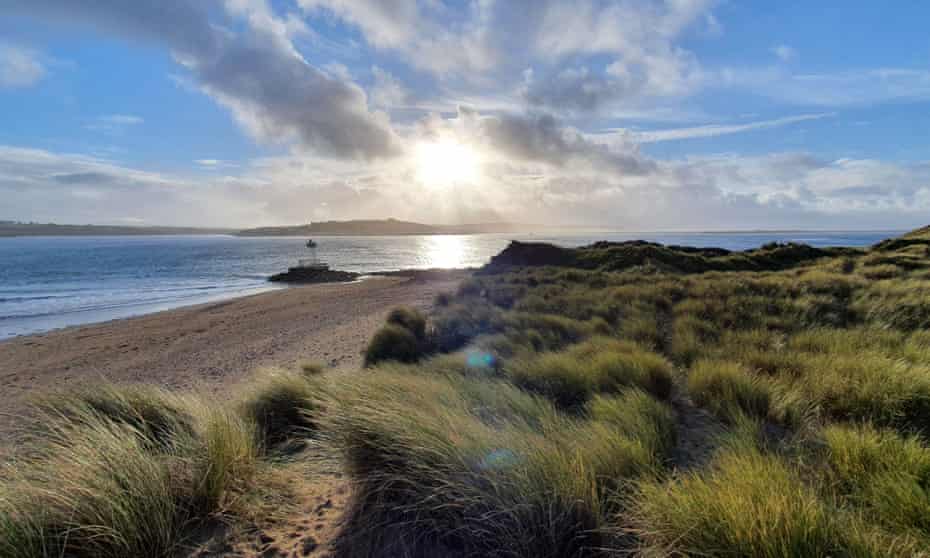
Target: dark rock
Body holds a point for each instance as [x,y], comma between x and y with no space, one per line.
[310,275]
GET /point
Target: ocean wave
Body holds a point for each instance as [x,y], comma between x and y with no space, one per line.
[30,298]
[182,297]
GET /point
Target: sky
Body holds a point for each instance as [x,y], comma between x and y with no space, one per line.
[624,114]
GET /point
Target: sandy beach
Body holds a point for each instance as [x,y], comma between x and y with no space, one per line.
[211,346]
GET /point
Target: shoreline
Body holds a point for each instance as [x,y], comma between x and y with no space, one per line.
[212,345]
[46,323]
[103,314]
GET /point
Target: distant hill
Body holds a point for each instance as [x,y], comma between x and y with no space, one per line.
[382,227]
[10,228]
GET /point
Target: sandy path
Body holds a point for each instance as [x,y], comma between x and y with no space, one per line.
[210,345]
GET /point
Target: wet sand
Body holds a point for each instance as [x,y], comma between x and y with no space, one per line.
[211,346]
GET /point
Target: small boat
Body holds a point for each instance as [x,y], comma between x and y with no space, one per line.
[311,243]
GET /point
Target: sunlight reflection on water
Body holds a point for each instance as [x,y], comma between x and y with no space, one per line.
[445,251]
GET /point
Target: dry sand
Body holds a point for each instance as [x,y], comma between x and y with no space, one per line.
[211,345]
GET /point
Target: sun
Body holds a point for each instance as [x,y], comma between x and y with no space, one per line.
[445,163]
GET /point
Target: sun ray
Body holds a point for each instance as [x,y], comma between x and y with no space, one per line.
[445,163]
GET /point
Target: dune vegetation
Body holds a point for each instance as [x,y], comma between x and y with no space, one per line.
[615,399]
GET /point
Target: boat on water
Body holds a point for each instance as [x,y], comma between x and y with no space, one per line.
[311,243]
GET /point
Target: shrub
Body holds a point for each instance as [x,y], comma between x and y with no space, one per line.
[410,319]
[392,342]
[282,405]
[727,390]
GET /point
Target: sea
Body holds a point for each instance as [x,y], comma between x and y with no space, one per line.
[53,282]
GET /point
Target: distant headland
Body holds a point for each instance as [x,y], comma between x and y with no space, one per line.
[14,228]
[383,227]
[367,227]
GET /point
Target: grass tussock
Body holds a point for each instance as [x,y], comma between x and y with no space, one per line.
[410,319]
[750,504]
[882,472]
[728,391]
[392,342]
[571,377]
[282,405]
[482,467]
[105,483]
[120,471]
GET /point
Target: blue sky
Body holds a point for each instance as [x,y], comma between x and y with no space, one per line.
[674,114]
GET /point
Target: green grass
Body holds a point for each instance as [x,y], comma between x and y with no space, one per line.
[104,483]
[393,342]
[499,475]
[749,504]
[728,390]
[884,473]
[638,416]
[601,365]
[282,406]
[410,319]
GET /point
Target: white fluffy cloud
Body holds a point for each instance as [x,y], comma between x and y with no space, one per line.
[19,67]
[256,73]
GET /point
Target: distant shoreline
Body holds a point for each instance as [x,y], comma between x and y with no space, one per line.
[378,227]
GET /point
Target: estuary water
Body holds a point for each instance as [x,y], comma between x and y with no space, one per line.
[52,282]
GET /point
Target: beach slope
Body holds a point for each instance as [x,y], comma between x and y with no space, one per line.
[211,345]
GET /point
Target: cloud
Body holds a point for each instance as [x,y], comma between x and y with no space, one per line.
[831,89]
[114,124]
[387,91]
[785,53]
[627,82]
[419,31]
[19,67]
[778,190]
[491,41]
[122,119]
[255,72]
[714,130]
[541,138]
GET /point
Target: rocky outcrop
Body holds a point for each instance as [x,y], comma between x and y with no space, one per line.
[310,275]
[532,254]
